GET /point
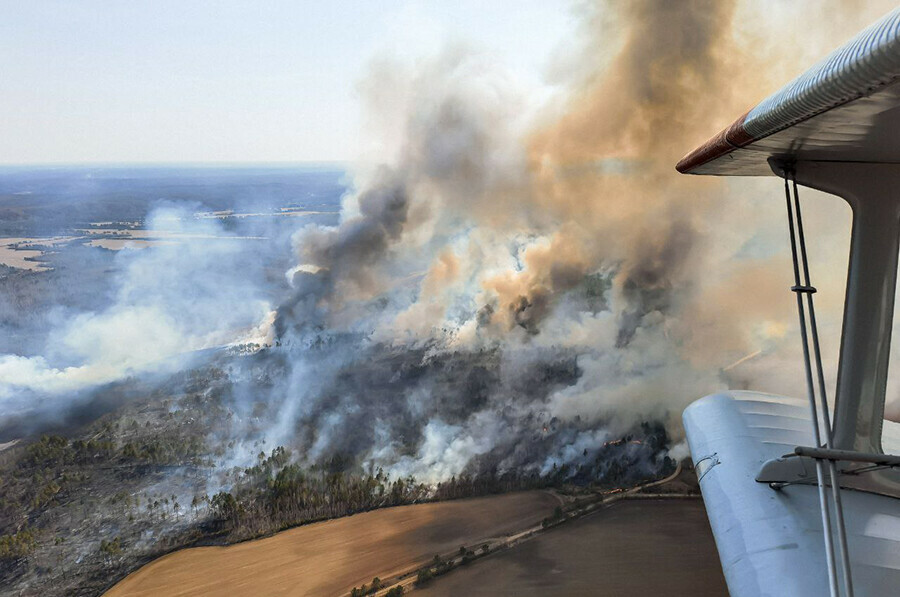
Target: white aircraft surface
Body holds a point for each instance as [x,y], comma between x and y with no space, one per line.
[803,498]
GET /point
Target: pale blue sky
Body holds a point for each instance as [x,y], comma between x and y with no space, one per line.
[208,81]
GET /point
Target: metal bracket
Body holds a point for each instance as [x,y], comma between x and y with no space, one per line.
[788,469]
[706,464]
[855,470]
[806,289]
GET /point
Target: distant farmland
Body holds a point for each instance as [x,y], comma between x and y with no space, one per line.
[634,547]
[331,557]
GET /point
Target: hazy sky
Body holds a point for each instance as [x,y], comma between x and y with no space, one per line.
[175,81]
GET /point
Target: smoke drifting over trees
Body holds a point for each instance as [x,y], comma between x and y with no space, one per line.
[516,284]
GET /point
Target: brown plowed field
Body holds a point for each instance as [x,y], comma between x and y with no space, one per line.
[331,557]
[633,547]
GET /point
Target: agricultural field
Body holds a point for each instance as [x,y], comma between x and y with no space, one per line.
[332,557]
[634,547]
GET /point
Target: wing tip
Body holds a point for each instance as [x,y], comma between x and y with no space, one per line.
[727,140]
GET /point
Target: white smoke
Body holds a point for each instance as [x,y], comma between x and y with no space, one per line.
[170,301]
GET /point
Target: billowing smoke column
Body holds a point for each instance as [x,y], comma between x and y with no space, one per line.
[504,295]
[518,282]
[516,287]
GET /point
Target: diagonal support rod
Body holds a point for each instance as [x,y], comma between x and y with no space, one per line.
[823,397]
[800,289]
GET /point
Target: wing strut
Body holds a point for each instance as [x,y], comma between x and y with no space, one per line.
[803,286]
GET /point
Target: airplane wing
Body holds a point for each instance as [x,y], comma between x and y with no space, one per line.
[776,491]
[846,108]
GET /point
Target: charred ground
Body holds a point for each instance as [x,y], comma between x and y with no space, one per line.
[167,468]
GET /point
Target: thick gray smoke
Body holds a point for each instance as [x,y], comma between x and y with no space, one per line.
[461,315]
[512,287]
[503,291]
[342,258]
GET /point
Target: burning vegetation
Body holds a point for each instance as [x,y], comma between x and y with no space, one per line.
[516,298]
[80,511]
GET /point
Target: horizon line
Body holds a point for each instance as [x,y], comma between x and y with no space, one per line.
[184,164]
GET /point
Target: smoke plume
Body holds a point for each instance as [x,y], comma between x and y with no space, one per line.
[558,255]
[519,283]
